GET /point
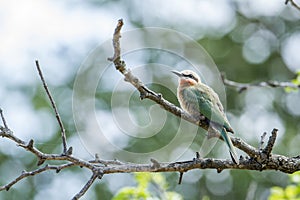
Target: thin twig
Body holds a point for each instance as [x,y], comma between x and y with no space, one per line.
[63,132]
[8,134]
[247,148]
[180,178]
[244,86]
[3,119]
[262,138]
[97,160]
[293,4]
[25,174]
[44,156]
[107,162]
[155,163]
[268,149]
[116,41]
[86,186]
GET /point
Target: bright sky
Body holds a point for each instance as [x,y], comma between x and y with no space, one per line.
[37,29]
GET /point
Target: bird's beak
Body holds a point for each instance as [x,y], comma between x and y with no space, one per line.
[177,73]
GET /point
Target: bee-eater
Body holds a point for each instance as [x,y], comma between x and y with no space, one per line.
[200,100]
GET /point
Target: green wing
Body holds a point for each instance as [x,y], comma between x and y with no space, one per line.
[208,104]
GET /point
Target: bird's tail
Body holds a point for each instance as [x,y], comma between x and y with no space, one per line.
[232,151]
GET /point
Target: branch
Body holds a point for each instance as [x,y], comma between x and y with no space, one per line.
[261,160]
[87,185]
[180,178]
[3,119]
[106,162]
[240,87]
[25,174]
[262,138]
[267,150]
[6,132]
[275,162]
[42,157]
[292,3]
[63,132]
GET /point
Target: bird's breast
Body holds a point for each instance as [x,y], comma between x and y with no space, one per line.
[188,102]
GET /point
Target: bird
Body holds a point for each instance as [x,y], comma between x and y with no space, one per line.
[199,100]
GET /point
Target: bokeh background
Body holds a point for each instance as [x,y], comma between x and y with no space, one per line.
[250,41]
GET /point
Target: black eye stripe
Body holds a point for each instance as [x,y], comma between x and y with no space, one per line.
[191,76]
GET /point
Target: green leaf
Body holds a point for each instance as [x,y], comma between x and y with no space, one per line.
[290,89]
[143,179]
[141,191]
[131,193]
[292,191]
[295,81]
[277,193]
[160,180]
[295,178]
[173,196]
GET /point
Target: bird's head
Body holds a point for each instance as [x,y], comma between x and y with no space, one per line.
[187,77]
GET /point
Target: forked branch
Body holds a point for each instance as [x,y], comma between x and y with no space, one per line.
[61,125]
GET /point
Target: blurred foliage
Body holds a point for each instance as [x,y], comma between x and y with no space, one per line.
[290,192]
[295,81]
[150,186]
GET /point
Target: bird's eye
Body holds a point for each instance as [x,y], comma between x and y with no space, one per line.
[190,76]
